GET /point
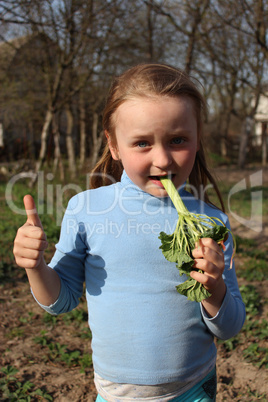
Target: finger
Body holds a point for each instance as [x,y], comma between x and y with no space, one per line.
[204,243]
[28,262]
[31,232]
[209,254]
[31,211]
[208,281]
[207,267]
[31,243]
[210,257]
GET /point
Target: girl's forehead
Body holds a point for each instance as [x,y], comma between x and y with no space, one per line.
[154,99]
[134,103]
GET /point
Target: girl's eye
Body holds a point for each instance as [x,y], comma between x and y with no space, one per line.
[177,141]
[142,144]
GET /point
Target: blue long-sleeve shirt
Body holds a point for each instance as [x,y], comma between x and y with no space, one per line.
[143,331]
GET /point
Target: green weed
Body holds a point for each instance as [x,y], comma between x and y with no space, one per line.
[257,395]
[49,319]
[15,333]
[13,390]
[78,315]
[252,331]
[58,352]
[251,299]
[27,319]
[254,270]
[42,340]
[256,354]
[85,333]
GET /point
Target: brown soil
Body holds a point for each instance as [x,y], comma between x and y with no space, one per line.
[238,380]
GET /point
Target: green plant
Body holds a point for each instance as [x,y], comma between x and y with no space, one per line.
[85,361]
[257,395]
[230,344]
[256,354]
[14,390]
[178,246]
[256,329]
[15,333]
[254,270]
[50,319]
[251,299]
[59,352]
[78,315]
[42,340]
[28,317]
[85,333]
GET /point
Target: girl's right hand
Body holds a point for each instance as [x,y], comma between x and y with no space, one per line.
[30,241]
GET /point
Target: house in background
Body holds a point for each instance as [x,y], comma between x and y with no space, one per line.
[261,126]
[261,120]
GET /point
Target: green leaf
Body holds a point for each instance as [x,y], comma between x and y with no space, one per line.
[217,233]
[169,246]
[185,263]
[177,247]
[193,290]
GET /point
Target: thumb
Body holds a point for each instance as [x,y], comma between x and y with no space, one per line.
[31,211]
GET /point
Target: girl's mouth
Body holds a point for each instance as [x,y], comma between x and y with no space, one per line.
[156,179]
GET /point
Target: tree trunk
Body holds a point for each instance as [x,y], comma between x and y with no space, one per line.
[69,142]
[264,143]
[245,134]
[82,116]
[97,140]
[57,153]
[44,135]
[43,148]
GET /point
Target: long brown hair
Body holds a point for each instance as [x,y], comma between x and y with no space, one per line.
[151,80]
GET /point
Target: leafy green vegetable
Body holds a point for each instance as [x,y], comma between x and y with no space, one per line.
[177,247]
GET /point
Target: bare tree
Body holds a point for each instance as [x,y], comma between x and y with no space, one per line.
[247,23]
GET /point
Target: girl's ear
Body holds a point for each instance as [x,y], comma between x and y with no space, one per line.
[112,147]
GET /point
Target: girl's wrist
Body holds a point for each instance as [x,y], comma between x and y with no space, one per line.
[213,303]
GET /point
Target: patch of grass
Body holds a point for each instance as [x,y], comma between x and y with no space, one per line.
[15,333]
[255,265]
[13,390]
[253,331]
[85,333]
[50,319]
[58,352]
[256,395]
[253,270]
[251,299]
[78,315]
[256,329]
[27,318]
[256,355]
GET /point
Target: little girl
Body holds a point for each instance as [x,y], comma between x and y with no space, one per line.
[149,342]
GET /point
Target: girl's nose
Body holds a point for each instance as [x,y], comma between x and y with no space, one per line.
[162,158]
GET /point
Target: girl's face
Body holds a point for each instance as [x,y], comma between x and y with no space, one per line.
[156,137]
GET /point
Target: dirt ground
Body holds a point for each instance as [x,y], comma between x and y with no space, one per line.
[236,377]
[238,380]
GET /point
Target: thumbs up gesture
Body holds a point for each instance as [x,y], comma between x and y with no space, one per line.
[30,241]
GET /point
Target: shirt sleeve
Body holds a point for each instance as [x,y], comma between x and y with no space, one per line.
[68,261]
[231,316]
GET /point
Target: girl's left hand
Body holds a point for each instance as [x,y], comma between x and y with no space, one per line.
[209,258]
